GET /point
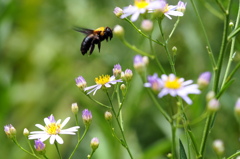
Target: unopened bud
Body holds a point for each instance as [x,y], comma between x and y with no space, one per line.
[87,117]
[210,95]
[108,116]
[117,70]
[80,82]
[181,7]
[218,147]
[10,131]
[118,12]
[204,79]
[94,143]
[39,146]
[118,31]
[25,132]
[127,75]
[213,105]
[75,108]
[147,26]
[231,24]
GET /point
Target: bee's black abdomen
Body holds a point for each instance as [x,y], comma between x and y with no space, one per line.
[86,43]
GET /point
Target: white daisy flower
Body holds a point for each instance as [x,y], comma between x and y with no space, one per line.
[178,87]
[52,130]
[171,10]
[103,82]
[141,7]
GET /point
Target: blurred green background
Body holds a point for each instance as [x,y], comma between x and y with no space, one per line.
[40,58]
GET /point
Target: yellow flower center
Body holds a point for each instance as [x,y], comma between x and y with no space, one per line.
[141,3]
[166,9]
[102,79]
[173,84]
[53,128]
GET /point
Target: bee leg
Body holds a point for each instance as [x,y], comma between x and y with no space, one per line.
[92,48]
[99,46]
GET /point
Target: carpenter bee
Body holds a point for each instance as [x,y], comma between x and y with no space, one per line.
[94,37]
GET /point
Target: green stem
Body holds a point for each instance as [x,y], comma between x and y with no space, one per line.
[123,99]
[30,146]
[205,135]
[140,32]
[15,141]
[174,28]
[134,48]
[119,114]
[170,59]
[234,155]
[221,54]
[173,139]
[231,56]
[76,118]
[157,60]
[101,104]
[58,151]
[79,141]
[124,142]
[221,7]
[166,116]
[90,156]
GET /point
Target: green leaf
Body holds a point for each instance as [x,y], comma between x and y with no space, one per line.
[182,151]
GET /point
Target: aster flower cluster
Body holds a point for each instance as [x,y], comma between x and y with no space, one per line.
[156,7]
[105,81]
[53,130]
[121,81]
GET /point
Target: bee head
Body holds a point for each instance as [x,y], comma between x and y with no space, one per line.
[108,32]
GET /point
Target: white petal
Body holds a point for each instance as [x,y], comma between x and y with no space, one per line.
[187,82]
[97,88]
[107,85]
[187,99]
[59,139]
[52,139]
[172,92]
[167,16]
[47,121]
[163,92]
[135,16]
[38,132]
[174,13]
[40,126]
[45,137]
[147,85]
[90,87]
[164,77]
[65,122]
[58,121]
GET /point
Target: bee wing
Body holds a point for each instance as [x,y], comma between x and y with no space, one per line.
[83,30]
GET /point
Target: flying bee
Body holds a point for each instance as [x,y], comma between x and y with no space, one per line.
[94,37]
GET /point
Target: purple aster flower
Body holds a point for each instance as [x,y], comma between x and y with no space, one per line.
[80,82]
[87,116]
[39,145]
[204,79]
[10,131]
[117,71]
[154,82]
